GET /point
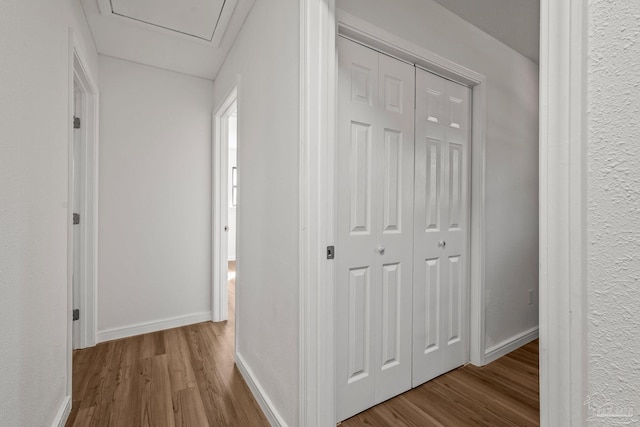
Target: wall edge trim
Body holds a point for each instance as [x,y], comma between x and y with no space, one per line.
[153,326]
[269,410]
[63,412]
[510,344]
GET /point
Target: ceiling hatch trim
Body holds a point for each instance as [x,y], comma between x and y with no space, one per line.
[219,25]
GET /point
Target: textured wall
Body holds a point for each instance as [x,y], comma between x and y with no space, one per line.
[614,206]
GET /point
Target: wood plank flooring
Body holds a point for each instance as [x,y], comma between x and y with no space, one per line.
[503,393]
[187,377]
[178,377]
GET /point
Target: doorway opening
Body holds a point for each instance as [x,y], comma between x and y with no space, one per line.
[77,167]
[225,204]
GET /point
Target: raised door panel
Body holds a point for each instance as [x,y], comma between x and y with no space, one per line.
[362,83]
[391,315]
[393,94]
[360,140]
[454,294]
[392,185]
[431,183]
[431,307]
[359,324]
[455,214]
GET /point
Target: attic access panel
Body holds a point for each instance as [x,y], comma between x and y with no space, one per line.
[202,19]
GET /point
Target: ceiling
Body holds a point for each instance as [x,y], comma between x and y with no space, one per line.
[194,18]
[186,36]
[515,23]
[194,36]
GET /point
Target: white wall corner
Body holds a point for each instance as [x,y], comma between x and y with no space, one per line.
[63,413]
[274,418]
[507,346]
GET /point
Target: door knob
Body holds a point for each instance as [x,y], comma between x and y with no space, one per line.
[380,249]
[442,244]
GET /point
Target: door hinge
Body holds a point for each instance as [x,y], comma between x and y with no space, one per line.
[76,314]
[331,252]
[76,218]
[76,122]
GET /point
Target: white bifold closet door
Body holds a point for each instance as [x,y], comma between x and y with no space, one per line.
[441,236]
[375,228]
[402,246]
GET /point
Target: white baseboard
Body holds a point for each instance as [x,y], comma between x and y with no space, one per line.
[263,400]
[63,413]
[157,325]
[507,346]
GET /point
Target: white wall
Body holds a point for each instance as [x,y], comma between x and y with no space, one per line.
[34,143]
[511,149]
[613,217]
[266,58]
[155,196]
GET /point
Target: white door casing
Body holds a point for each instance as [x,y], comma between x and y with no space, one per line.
[375,223]
[77,173]
[440,292]
[83,173]
[220,209]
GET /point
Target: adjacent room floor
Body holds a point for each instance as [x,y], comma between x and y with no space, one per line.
[503,393]
[187,377]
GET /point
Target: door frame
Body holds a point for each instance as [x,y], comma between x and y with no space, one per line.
[320,25]
[563,213]
[220,208]
[79,72]
[318,75]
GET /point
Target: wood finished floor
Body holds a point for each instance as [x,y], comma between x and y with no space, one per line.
[178,377]
[187,377]
[503,393]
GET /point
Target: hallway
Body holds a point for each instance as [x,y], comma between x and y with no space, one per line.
[177,377]
[187,377]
